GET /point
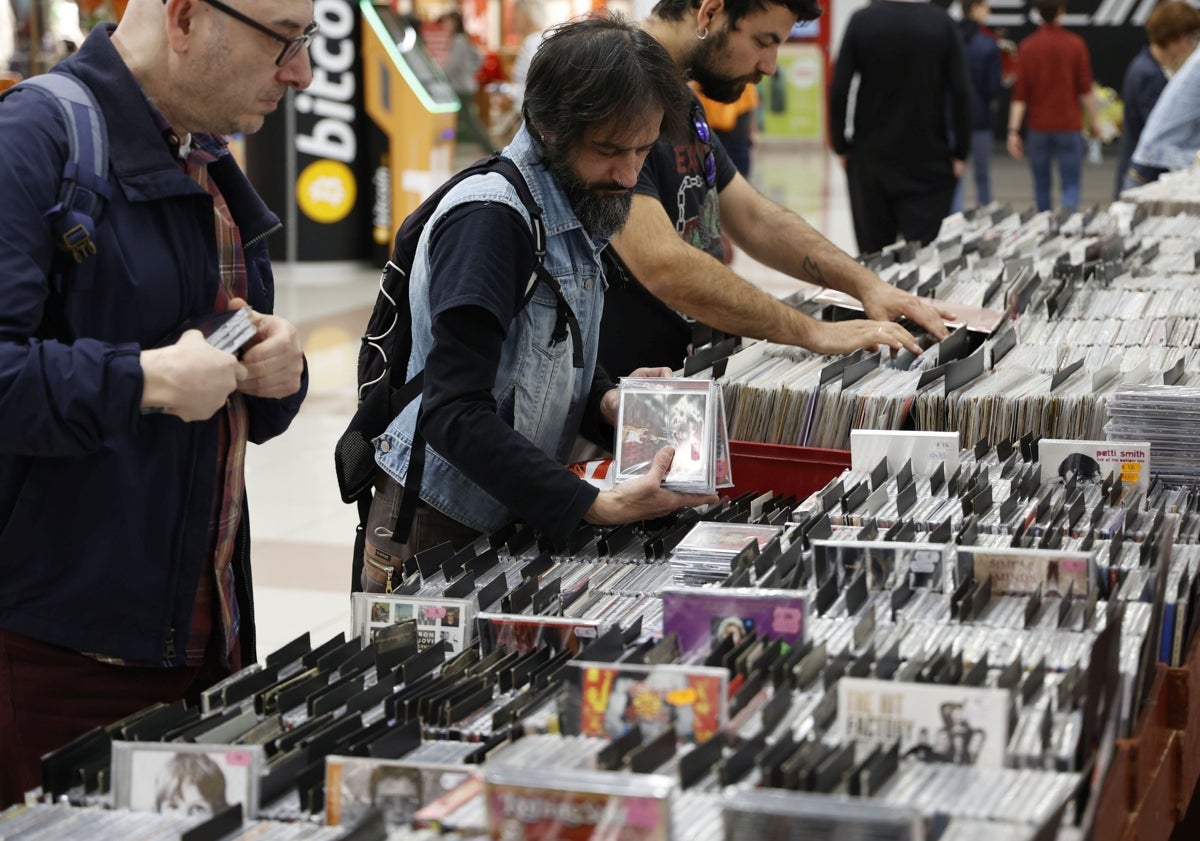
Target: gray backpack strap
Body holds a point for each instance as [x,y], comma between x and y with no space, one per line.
[84,189]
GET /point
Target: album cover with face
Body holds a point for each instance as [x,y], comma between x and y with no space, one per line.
[701,617]
[183,778]
[398,789]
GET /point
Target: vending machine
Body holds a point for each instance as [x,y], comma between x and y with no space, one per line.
[411,113]
[355,152]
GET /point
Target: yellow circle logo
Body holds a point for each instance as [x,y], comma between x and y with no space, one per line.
[326,191]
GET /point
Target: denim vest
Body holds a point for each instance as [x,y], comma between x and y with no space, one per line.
[1171,137]
[538,390]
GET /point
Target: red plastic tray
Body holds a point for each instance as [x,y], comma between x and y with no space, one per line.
[785,470]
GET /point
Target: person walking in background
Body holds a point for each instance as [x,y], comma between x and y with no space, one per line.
[983,70]
[736,123]
[529,19]
[1171,138]
[1173,29]
[1052,96]
[462,62]
[906,150]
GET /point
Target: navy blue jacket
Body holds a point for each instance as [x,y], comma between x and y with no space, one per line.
[104,512]
[983,69]
[1143,85]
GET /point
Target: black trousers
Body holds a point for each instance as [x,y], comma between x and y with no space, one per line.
[887,201]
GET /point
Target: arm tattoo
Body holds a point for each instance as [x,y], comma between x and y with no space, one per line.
[814,271]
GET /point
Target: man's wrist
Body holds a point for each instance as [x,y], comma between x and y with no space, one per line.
[1014,131]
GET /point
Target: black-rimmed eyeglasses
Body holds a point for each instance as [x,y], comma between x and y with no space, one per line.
[705,135]
[291,46]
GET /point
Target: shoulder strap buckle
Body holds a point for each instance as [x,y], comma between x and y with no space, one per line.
[77,242]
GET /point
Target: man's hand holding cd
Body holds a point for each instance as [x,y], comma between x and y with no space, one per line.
[644,498]
[274,359]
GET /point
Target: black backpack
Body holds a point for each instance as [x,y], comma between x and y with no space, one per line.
[387,344]
[83,188]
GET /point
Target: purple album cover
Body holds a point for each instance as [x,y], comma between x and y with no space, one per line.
[700,616]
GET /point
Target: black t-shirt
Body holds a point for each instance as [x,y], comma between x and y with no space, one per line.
[479,284]
[638,329]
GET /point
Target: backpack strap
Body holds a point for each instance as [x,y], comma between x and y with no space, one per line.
[565,322]
[83,190]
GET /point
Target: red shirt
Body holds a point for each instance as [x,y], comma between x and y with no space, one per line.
[1053,71]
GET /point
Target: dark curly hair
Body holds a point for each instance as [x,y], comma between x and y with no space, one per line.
[596,68]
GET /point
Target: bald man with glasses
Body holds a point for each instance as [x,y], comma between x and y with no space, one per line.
[124,527]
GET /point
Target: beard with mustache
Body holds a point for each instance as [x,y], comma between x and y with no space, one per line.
[601,214]
[716,85]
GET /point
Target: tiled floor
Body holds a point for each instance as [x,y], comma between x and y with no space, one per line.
[303,532]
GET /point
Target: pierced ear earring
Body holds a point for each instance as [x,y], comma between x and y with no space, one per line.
[701,35]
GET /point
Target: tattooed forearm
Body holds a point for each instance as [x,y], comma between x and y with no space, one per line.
[813,268]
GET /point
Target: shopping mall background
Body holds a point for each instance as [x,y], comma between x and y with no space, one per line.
[303,533]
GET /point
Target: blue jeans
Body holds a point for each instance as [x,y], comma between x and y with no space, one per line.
[981,167]
[1067,148]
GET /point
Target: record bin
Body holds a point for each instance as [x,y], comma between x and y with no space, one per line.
[1154,773]
[783,469]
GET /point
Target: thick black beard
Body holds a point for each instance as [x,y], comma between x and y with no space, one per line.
[715,86]
[602,216]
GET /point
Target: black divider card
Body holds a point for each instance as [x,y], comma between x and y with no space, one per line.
[429,562]
[291,652]
[461,588]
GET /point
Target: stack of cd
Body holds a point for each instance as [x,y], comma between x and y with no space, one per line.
[686,414]
[707,550]
[1161,415]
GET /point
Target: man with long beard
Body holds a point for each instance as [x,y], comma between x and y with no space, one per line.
[504,396]
[669,254]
